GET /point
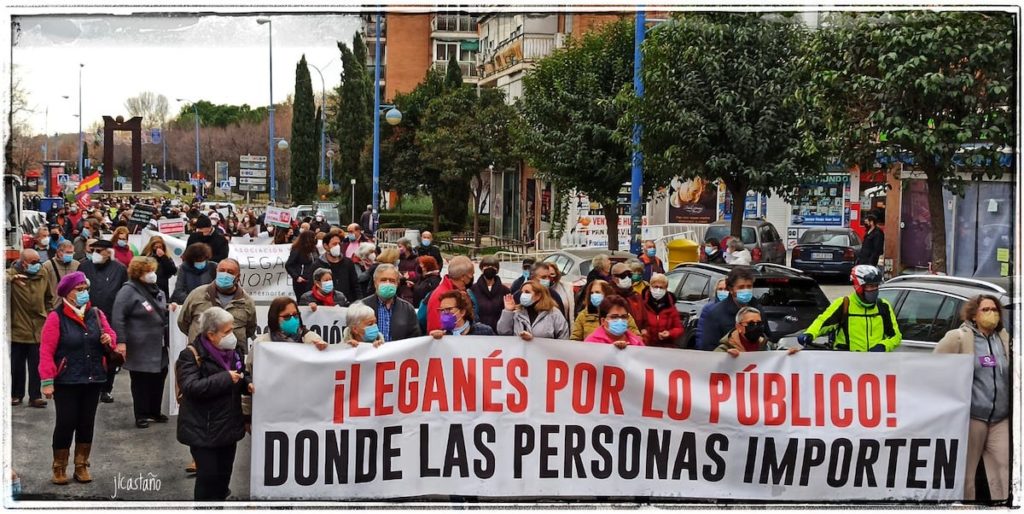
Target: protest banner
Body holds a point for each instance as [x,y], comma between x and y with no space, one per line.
[499,417]
[329,322]
[278,217]
[170,226]
[263,273]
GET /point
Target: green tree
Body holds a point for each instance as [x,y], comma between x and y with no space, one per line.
[453,74]
[570,129]
[937,85]
[463,134]
[724,101]
[304,161]
[353,120]
[218,115]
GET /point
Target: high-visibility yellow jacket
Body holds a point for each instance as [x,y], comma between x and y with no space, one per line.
[858,327]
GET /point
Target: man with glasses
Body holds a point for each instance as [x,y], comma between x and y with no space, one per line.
[862,321]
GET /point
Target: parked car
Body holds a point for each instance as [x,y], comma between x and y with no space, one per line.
[330,210]
[826,251]
[790,300]
[759,236]
[927,306]
[574,263]
[300,212]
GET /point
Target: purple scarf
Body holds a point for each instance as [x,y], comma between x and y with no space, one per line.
[221,356]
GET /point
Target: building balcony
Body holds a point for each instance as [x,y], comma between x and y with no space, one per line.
[469,68]
[369,70]
[370,27]
[458,25]
[518,49]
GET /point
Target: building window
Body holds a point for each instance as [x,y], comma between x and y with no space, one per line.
[444,51]
[467,55]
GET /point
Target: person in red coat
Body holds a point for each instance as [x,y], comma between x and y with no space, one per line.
[661,325]
[623,287]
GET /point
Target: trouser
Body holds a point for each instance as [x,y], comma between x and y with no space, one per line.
[213,471]
[147,393]
[989,443]
[23,354]
[301,288]
[76,413]
[108,386]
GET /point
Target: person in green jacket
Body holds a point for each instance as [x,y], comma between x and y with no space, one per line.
[862,321]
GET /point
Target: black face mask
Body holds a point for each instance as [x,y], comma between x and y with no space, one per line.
[754,332]
[869,297]
[490,273]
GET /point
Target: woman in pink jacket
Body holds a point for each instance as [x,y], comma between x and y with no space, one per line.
[73,368]
[613,315]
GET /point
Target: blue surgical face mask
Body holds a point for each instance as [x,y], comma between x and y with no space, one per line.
[32,269]
[546,282]
[371,333]
[617,327]
[82,298]
[596,299]
[651,252]
[526,299]
[526,274]
[744,296]
[290,326]
[327,286]
[722,295]
[66,258]
[225,280]
[86,233]
[200,265]
[426,242]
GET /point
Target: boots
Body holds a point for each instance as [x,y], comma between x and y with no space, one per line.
[82,462]
[60,467]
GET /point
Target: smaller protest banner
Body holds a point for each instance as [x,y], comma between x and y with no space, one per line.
[141,214]
[278,217]
[170,226]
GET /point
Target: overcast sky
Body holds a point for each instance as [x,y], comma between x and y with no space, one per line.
[223,59]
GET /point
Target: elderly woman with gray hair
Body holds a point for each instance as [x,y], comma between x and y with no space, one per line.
[212,380]
[323,292]
[365,258]
[362,326]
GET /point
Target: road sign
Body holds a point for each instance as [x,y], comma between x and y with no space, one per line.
[225,186]
[155,135]
[63,179]
[221,169]
[233,181]
[252,158]
[247,180]
[252,173]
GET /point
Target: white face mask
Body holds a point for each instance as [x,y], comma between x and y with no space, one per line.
[44,241]
[625,283]
[228,342]
[336,251]
[658,293]
[149,278]
[97,258]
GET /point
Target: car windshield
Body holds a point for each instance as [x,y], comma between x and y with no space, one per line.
[786,292]
[826,238]
[720,232]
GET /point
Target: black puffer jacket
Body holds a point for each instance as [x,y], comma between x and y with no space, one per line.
[211,406]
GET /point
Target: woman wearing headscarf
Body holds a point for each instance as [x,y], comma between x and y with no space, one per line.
[140,316]
[212,380]
[73,369]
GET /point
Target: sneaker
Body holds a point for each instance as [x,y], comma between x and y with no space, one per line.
[106,398]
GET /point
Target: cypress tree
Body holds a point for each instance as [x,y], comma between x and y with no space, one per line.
[304,161]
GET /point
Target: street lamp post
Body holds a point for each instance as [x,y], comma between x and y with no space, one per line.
[270,138]
[323,117]
[330,155]
[376,130]
[637,179]
[195,109]
[81,171]
[354,202]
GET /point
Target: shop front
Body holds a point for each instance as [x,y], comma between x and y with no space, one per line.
[824,202]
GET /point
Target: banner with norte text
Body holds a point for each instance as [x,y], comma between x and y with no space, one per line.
[499,417]
[329,322]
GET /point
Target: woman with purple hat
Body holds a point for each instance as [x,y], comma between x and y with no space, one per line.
[73,369]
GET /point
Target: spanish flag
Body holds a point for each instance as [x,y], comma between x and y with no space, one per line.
[90,184]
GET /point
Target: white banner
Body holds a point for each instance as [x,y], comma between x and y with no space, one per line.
[329,322]
[497,417]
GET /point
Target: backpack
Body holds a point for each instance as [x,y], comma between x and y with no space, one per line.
[883,311]
[177,377]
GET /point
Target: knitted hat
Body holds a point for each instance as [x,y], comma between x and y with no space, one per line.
[70,282]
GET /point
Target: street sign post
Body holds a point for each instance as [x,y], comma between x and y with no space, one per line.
[252,174]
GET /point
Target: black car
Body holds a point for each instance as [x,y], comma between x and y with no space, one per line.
[790,300]
[826,251]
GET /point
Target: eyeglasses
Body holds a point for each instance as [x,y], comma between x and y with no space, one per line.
[753,324]
[448,310]
[287,317]
[625,274]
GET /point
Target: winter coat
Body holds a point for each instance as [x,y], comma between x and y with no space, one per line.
[872,247]
[71,351]
[864,323]
[301,265]
[346,281]
[54,270]
[659,317]
[190,279]
[739,258]
[652,265]
[140,317]
[29,303]
[241,308]
[991,387]
[426,285]
[600,335]
[432,251]
[123,255]
[587,322]
[548,324]
[308,298]
[210,415]
[564,294]
[474,329]
[404,323]
[105,280]
[635,305]
[490,301]
[434,303]
[165,269]
[218,244]
[731,341]
[408,265]
[720,320]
